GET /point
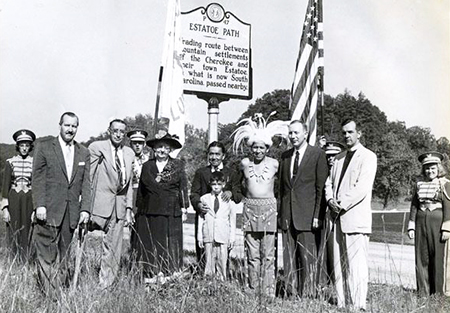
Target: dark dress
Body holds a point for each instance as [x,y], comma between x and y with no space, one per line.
[159,229]
[16,193]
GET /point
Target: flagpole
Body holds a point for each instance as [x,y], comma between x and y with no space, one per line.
[322,113]
[158,97]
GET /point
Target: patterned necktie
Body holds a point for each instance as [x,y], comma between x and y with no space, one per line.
[69,160]
[216,204]
[118,168]
[295,170]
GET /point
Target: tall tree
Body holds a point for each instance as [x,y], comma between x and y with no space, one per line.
[396,166]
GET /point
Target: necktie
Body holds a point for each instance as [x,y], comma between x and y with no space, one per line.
[216,204]
[295,170]
[348,158]
[69,161]
[118,168]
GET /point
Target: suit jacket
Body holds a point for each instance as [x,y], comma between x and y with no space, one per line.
[301,197]
[51,186]
[162,193]
[200,184]
[105,180]
[217,226]
[355,191]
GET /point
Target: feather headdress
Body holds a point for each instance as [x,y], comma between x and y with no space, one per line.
[258,129]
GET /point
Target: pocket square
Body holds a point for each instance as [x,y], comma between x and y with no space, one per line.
[82,164]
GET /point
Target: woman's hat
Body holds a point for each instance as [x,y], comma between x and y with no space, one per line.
[137,135]
[24,135]
[432,157]
[163,136]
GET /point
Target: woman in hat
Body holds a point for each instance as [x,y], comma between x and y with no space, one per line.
[16,202]
[429,224]
[162,201]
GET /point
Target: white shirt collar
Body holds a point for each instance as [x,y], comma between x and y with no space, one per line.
[63,143]
[355,147]
[220,167]
[302,149]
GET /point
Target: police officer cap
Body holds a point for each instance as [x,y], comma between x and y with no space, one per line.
[24,135]
[333,148]
[137,135]
[432,157]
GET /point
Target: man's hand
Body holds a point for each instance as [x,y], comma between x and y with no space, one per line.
[411,233]
[315,223]
[231,245]
[226,196]
[41,213]
[334,206]
[200,244]
[84,218]
[129,218]
[6,216]
[445,235]
[203,208]
[183,215]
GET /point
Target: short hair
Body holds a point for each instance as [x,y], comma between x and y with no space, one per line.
[218,145]
[349,120]
[117,120]
[31,146]
[217,177]
[441,171]
[304,126]
[71,114]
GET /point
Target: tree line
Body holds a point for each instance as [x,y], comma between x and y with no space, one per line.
[395,145]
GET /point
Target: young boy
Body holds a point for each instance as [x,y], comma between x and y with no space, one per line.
[217,228]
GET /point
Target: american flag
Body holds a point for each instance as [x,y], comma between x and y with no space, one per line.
[306,92]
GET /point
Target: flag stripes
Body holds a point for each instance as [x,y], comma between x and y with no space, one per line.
[308,80]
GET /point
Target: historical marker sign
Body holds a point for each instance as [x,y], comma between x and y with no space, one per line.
[216,53]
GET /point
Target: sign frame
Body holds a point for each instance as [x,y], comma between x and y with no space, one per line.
[215,13]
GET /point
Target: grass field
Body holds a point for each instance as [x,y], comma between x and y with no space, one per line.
[190,293]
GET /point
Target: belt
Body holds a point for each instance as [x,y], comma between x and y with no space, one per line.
[259,201]
[430,206]
[21,187]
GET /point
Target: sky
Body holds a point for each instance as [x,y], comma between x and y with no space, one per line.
[100,59]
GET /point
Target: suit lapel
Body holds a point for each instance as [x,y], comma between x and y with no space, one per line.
[109,156]
[303,163]
[76,160]
[60,156]
[287,168]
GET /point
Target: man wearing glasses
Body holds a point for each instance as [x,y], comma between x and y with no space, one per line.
[112,196]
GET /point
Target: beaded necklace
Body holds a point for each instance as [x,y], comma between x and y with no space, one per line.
[252,172]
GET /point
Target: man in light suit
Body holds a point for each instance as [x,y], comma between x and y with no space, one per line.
[302,175]
[349,194]
[61,197]
[111,174]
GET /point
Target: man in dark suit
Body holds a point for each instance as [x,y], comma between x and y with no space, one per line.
[112,207]
[200,185]
[302,175]
[61,196]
